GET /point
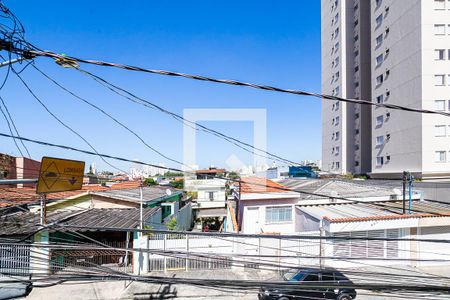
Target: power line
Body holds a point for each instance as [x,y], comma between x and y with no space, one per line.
[132,97]
[10,130]
[106,114]
[60,121]
[223,81]
[210,176]
[14,126]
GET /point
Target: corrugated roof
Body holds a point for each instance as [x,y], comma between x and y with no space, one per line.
[347,212]
[26,223]
[106,217]
[133,195]
[339,188]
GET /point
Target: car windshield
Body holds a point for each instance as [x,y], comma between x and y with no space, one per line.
[289,275]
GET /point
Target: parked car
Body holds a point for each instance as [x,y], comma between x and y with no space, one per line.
[321,276]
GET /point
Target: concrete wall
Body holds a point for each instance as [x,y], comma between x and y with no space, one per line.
[254,221]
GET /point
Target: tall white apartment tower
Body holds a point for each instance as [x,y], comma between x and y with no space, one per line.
[346,135]
[408,60]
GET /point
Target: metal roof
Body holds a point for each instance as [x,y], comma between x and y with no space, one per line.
[133,195]
[340,188]
[27,223]
[348,212]
[211,212]
[106,217]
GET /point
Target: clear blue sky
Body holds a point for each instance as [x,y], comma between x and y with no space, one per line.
[267,42]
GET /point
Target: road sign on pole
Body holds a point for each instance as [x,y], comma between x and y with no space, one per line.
[59,175]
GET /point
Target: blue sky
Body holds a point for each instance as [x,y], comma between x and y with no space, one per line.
[267,42]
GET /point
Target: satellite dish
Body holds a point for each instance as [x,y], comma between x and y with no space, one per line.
[168,192]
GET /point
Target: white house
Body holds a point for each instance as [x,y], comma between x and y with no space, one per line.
[428,220]
[264,206]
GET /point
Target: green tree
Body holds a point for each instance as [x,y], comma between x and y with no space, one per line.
[233,175]
[150,182]
[172,224]
[178,184]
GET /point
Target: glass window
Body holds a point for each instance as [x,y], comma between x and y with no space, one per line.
[439,29]
[278,214]
[380,161]
[312,277]
[380,59]
[380,120]
[380,79]
[337,136]
[439,4]
[337,150]
[439,80]
[337,165]
[380,99]
[337,120]
[439,54]
[439,105]
[439,130]
[440,156]
[379,20]
[379,40]
[380,140]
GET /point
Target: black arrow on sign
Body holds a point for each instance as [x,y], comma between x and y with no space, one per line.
[72,181]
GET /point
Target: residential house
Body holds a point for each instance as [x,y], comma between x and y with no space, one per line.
[263,206]
[428,220]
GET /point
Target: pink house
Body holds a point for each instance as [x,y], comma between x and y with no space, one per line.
[264,206]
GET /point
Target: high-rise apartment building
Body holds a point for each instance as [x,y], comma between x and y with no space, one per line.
[391,51]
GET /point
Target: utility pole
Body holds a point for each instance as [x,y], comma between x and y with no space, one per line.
[410,182]
[43,209]
[141,214]
[404,192]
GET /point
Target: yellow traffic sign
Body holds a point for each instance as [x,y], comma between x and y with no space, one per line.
[58,175]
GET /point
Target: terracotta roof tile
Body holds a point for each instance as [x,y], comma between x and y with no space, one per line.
[252,185]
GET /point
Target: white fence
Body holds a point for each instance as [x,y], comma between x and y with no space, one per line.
[190,251]
[14,260]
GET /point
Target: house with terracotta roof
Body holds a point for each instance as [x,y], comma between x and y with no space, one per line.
[264,206]
[384,234]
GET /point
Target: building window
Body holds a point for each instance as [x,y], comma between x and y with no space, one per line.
[356,38]
[388,93]
[357,131]
[380,120]
[439,105]
[440,156]
[439,29]
[338,165]
[357,67]
[378,3]
[380,161]
[379,40]
[356,163]
[379,20]
[439,54]
[380,99]
[388,158]
[356,147]
[337,136]
[357,116]
[337,102]
[380,140]
[211,196]
[439,4]
[337,121]
[380,79]
[379,60]
[337,150]
[439,130]
[439,80]
[281,214]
